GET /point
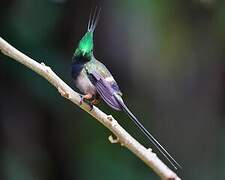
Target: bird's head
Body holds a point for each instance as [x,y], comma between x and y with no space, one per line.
[85,46]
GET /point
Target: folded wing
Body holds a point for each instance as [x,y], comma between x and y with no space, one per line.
[106,89]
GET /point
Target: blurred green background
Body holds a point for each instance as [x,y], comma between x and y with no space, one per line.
[168,59]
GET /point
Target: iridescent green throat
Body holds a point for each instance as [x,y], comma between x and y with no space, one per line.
[85,47]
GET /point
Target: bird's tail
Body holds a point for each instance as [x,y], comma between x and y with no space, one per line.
[93,19]
[164,152]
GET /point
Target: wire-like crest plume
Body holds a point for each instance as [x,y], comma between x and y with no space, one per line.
[93,19]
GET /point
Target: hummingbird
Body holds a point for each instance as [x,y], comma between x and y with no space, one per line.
[95,82]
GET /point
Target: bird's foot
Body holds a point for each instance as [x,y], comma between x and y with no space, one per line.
[86,98]
[95,101]
[91,107]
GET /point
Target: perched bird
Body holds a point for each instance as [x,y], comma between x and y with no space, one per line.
[95,81]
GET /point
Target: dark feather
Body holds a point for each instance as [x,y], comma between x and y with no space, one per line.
[76,68]
[77,65]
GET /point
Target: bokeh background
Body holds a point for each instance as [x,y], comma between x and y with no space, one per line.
[168,59]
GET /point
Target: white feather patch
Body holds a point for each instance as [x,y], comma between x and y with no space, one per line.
[109,79]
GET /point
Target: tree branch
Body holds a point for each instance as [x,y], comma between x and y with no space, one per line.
[108,121]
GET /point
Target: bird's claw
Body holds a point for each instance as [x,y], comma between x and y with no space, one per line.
[82,100]
[91,107]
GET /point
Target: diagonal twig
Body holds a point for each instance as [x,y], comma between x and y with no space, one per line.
[123,137]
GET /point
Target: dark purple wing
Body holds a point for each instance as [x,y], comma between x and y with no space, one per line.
[106,90]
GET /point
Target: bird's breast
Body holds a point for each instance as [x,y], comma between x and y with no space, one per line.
[84,84]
